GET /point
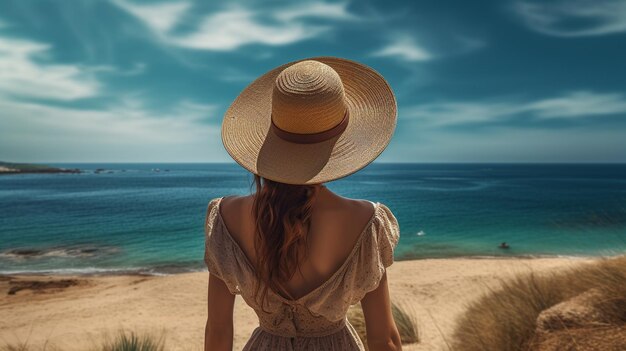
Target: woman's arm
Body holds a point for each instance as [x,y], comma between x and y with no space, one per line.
[218,333]
[382,333]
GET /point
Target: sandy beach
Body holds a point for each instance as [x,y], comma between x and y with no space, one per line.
[74,312]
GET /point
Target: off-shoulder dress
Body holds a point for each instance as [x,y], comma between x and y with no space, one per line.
[316,321]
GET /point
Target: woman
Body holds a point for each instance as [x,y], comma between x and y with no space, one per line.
[297,253]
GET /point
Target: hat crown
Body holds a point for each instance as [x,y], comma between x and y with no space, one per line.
[308,98]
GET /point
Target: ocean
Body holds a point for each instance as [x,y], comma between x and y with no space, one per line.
[149,217]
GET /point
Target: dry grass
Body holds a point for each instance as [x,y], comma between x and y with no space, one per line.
[131,341]
[405,321]
[24,346]
[505,319]
[20,345]
[122,341]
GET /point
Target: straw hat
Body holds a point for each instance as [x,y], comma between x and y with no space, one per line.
[311,121]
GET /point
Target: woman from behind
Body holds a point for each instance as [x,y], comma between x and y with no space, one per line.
[298,253]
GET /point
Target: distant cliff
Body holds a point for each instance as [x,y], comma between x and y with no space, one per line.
[16,168]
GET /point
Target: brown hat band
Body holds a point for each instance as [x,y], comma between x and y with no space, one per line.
[312,138]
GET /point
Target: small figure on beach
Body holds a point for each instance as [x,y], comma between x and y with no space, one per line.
[504,245]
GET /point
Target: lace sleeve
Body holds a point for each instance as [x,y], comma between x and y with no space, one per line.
[388,236]
[210,258]
[219,255]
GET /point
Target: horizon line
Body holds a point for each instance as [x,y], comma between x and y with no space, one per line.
[377,162]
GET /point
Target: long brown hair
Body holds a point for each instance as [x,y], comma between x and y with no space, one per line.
[282,214]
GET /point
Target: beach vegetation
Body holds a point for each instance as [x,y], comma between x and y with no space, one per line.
[25,346]
[126,340]
[508,318]
[404,318]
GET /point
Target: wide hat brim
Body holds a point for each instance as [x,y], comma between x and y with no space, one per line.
[372,108]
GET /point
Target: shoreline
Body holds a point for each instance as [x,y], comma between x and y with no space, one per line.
[435,291]
[99,272]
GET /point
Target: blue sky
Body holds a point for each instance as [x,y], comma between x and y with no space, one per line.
[476,81]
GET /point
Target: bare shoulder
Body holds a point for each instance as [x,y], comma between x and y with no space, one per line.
[232,202]
[234,206]
[338,225]
[358,205]
[235,212]
[353,211]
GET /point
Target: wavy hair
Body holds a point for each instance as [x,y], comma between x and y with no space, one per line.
[282,214]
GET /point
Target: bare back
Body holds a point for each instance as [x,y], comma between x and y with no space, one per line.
[336,223]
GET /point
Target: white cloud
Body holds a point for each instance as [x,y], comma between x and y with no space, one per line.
[24,73]
[236,26]
[136,69]
[228,30]
[124,132]
[404,48]
[572,105]
[32,130]
[580,104]
[160,16]
[574,18]
[447,113]
[317,10]
[196,112]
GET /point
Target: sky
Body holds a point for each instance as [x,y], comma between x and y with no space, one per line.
[475,81]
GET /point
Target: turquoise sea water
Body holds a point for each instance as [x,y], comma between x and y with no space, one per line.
[149,217]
